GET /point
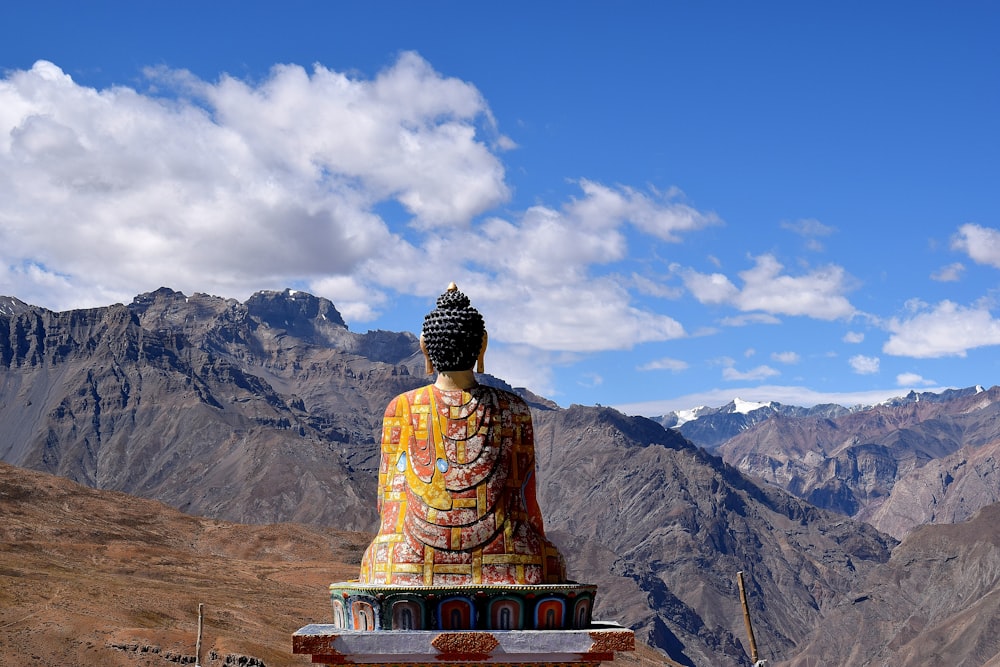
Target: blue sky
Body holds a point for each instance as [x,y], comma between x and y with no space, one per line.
[656,205]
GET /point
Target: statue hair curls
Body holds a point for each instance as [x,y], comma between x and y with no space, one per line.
[453,332]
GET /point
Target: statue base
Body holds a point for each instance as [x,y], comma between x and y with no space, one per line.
[330,645]
[366,607]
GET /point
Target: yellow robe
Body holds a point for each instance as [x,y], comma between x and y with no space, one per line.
[456,494]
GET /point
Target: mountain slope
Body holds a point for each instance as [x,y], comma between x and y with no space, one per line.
[937,601]
[103,579]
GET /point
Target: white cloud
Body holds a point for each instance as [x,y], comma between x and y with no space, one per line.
[710,288]
[853,337]
[982,244]
[354,300]
[235,186]
[950,273]
[655,287]
[665,364]
[786,357]
[603,207]
[759,373]
[863,365]
[818,294]
[748,319]
[947,329]
[523,366]
[912,380]
[810,229]
[579,318]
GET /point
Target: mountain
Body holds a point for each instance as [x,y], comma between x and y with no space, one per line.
[11,306]
[257,412]
[710,427]
[269,411]
[666,526]
[909,461]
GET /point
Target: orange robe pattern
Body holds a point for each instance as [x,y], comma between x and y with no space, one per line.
[456,494]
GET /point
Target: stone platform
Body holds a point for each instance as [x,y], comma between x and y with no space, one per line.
[330,645]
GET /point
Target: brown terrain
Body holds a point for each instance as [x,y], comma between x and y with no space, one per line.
[936,602]
[103,579]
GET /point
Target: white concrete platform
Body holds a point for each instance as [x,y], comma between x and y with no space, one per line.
[330,645]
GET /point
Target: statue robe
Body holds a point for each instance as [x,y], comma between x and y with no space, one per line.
[456,494]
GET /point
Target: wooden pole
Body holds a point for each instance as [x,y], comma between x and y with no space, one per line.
[201,623]
[746,618]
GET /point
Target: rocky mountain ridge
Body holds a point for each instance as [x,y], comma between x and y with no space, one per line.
[710,427]
[205,403]
[270,410]
[897,465]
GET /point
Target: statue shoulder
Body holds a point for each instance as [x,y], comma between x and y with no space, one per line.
[512,401]
[402,402]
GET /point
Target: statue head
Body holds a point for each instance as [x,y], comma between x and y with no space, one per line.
[453,335]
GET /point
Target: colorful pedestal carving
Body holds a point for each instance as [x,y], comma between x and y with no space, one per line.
[364,607]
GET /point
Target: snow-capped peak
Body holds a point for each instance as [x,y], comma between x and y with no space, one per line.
[684,416]
[746,407]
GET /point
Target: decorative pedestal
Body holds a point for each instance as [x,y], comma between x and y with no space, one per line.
[365,607]
[588,647]
[494,624]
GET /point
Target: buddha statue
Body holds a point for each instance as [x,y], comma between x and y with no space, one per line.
[456,485]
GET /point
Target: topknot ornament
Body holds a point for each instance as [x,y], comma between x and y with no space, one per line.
[453,299]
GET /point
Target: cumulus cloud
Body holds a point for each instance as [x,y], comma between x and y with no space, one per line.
[665,364]
[854,337]
[228,186]
[912,380]
[949,274]
[947,329]
[786,357]
[731,374]
[818,294]
[982,244]
[863,365]
[710,287]
[662,216]
[810,229]
[748,319]
[360,189]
